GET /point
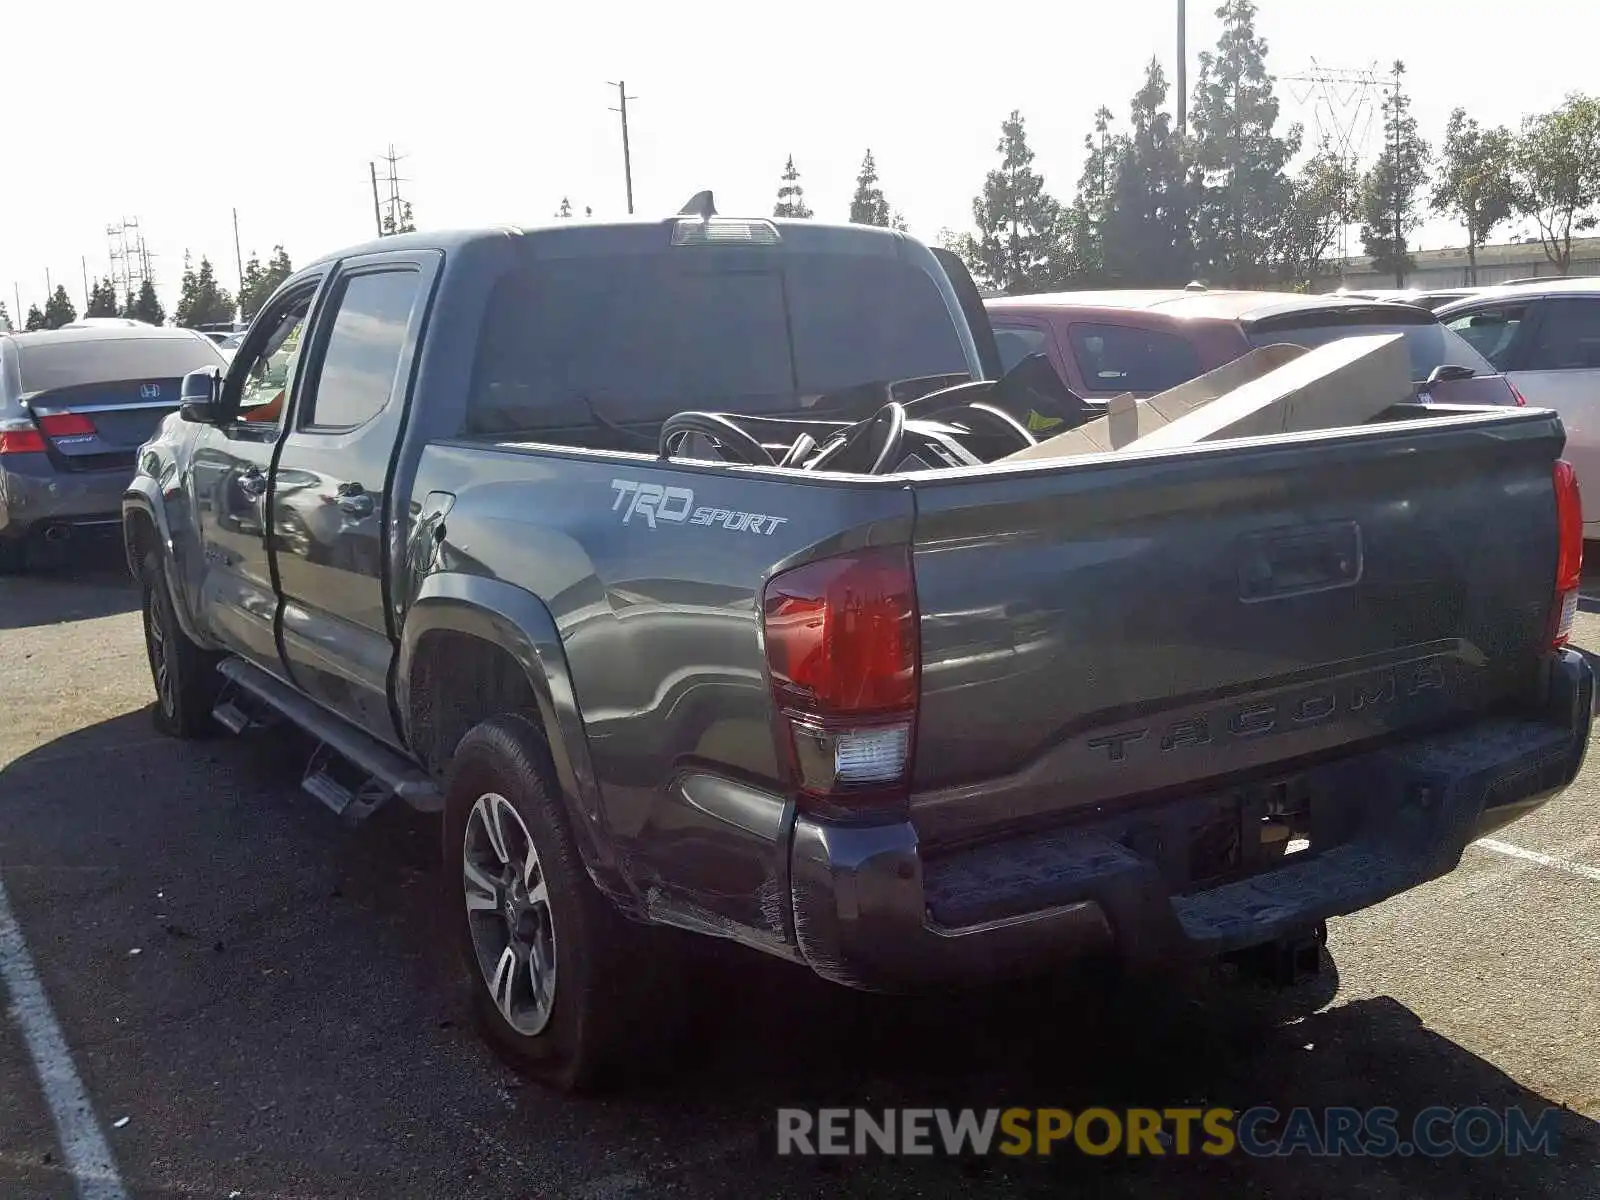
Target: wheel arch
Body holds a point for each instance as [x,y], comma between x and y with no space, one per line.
[474,648]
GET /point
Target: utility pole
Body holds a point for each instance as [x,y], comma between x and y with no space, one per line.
[238,260]
[1399,215]
[16,298]
[377,214]
[1183,71]
[84,260]
[627,160]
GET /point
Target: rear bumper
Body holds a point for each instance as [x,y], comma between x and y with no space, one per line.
[871,911]
[34,495]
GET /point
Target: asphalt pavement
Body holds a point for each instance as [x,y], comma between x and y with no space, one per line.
[257,1002]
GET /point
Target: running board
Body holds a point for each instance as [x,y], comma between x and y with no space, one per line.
[351,771]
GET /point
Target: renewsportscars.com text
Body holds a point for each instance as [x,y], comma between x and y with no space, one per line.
[1260,1132]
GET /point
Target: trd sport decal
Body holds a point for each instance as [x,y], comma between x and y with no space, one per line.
[651,502]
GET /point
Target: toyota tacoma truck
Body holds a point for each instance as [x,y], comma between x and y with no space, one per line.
[680,567]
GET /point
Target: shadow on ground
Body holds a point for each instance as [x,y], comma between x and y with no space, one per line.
[89,581]
[293,932]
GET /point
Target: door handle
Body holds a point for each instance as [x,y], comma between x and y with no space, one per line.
[253,484]
[354,500]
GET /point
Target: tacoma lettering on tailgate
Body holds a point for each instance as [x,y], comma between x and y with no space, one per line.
[1265,717]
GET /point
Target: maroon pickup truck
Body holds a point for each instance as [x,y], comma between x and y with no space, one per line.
[1103,344]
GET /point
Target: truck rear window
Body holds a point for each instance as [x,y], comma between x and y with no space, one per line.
[571,344]
[53,365]
[1429,344]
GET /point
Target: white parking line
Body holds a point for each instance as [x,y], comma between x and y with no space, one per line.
[1582,870]
[88,1156]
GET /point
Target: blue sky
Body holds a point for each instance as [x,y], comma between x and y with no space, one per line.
[176,112]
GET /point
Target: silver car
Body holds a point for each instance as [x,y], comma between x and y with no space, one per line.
[75,406]
[1545,337]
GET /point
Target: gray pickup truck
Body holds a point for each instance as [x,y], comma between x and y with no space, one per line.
[672,563]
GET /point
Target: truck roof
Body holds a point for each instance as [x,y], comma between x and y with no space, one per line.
[633,235]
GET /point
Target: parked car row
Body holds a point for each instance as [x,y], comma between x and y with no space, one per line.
[1533,343]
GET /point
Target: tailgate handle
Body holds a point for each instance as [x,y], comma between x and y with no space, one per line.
[1293,562]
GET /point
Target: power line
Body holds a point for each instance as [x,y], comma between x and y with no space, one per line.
[627,158]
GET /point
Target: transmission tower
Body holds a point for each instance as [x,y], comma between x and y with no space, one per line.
[394,206]
[130,257]
[1342,114]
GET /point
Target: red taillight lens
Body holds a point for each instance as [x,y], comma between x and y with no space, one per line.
[1522,401]
[67,425]
[1569,553]
[19,437]
[843,655]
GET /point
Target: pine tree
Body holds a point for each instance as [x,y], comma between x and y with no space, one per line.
[200,300]
[867,206]
[1393,186]
[261,281]
[1019,246]
[35,320]
[102,299]
[59,310]
[791,196]
[147,307]
[5,318]
[1092,205]
[1241,188]
[565,210]
[1146,234]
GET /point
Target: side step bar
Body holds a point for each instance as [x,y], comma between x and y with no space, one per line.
[350,771]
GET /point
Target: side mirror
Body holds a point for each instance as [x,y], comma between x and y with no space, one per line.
[200,396]
[1449,373]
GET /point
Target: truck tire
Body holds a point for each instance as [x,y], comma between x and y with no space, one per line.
[565,988]
[185,676]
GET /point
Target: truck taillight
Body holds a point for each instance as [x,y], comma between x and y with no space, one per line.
[843,658]
[19,436]
[1569,553]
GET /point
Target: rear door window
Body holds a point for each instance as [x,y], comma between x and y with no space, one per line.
[1492,332]
[357,371]
[1124,358]
[1567,336]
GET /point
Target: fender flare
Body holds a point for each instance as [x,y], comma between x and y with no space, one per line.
[143,497]
[518,622]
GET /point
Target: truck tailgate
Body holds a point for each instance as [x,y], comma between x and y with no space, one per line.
[1107,630]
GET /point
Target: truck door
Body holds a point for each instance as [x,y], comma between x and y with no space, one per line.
[231,465]
[330,499]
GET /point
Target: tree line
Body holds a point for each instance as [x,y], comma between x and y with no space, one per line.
[201,299]
[1220,203]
